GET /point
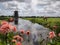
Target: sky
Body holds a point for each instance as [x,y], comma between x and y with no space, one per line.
[30,7]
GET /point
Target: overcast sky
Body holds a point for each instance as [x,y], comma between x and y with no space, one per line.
[31,7]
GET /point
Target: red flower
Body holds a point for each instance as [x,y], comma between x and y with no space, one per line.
[4,22]
[28,32]
[52,34]
[22,31]
[11,19]
[18,43]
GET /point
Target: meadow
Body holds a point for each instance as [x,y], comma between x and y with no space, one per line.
[42,21]
[52,23]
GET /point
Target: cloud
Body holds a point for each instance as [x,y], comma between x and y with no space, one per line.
[4,0]
[35,8]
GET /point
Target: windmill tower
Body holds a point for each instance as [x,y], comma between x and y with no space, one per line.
[16,15]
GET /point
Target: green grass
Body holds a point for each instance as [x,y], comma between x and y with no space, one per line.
[51,21]
[58,43]
[41,19]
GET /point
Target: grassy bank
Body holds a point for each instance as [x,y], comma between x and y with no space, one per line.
[51,21]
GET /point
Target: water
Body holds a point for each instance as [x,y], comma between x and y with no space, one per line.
[38,32]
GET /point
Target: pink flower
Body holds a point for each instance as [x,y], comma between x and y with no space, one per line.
[59,34]
[13,28]
[3,31]
[28,32]
[10,26]
[20,39]
[4,22]
[52,34]
[17,37]
[22,31]
[18,43]
[4,28]
[14,40]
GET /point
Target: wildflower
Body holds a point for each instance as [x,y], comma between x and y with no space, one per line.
[5,26]
[28,32]
[17,37]
[13,40]
[22,31]
[59,34]
[18,43]
[52,34]
[20,39]
[13,28]
[4,22]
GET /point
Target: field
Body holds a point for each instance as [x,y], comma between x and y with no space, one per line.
[50,23]
[42,21]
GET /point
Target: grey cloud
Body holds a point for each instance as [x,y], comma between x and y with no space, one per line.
[12,0]
[49,8]
[4,0]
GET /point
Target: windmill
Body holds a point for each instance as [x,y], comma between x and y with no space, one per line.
[13,9]
[23,7]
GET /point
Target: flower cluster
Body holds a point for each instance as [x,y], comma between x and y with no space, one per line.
[17,39]
[7,33]
[23,32]
[6,27]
